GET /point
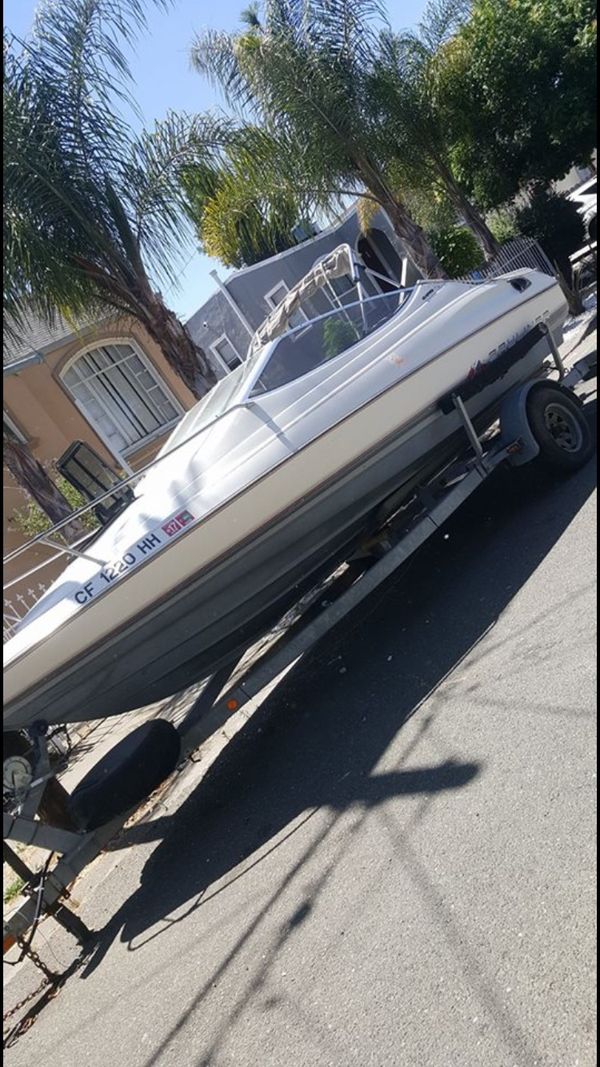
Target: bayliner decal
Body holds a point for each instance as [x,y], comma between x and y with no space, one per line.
[135,555]
[509,341]
[490,371]
[481,365]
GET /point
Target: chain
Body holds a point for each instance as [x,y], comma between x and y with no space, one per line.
[37,961]
[49,979]
[22,1003]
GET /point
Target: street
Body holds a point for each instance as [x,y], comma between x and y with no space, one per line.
[394,862]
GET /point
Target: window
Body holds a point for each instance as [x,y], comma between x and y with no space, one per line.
[274,298]
[226,353]
[120,394]
[13,428]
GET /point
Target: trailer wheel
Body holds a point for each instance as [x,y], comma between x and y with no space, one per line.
[560,428]
[129,773]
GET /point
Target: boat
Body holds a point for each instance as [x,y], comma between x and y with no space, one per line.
[271,479]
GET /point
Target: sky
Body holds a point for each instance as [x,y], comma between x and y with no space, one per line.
[164,81]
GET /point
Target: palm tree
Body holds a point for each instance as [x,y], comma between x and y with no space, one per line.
[235,224]
[93,215]
[29,474]
[302,74]
[404,92]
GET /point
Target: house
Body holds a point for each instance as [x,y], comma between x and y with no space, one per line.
[105,383]
[108,384]
[224,325]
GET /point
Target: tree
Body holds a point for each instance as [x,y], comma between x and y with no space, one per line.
[302,74]
[455,244]
[405,94]
[93,213]
[556,223]
[234,226]
[517,84]
[458,250]
[29,474]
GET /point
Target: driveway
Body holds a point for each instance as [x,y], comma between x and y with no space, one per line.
[394,862]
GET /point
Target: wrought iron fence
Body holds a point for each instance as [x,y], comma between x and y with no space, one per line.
[518,254]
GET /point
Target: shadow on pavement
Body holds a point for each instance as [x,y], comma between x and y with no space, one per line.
[316,739]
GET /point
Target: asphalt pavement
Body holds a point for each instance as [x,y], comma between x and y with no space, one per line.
[393,863]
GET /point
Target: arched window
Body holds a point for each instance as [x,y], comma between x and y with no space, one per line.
[120,394]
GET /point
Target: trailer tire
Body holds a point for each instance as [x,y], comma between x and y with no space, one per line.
[129,773]
[559,425]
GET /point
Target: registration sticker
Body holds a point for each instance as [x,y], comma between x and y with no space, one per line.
[176,524]
[136,554]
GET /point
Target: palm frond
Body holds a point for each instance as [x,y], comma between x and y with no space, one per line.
[154,173]
[71,221]
[346,30]
[302,73]
[366,211]
[216,55]
[440,21]
[250,16]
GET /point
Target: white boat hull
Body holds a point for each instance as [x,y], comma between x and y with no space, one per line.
[269,504]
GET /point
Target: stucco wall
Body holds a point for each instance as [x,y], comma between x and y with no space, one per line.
[43,410]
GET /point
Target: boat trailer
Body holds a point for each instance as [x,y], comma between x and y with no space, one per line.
[79,825]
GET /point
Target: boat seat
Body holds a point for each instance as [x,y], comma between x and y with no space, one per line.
[129,773]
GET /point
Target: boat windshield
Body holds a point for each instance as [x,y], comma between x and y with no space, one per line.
[215,403]
[293,354]
[314,342]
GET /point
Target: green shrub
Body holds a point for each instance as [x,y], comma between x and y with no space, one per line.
[555,223]
[503,224]
[31,520]
[13,891]
[458,250]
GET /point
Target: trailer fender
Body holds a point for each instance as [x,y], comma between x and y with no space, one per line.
[514,420]
[514,424]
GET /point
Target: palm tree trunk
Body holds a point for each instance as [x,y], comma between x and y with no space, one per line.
[412,236]
[414,240]
[29,474]
[469,212]
[132,292]
[181,352]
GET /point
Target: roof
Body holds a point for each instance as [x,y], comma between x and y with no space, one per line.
[327,232]
[36,338]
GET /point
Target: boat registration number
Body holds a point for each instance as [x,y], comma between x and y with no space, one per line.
[135,554]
